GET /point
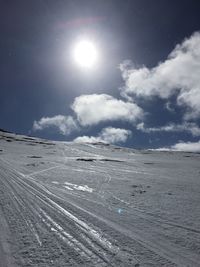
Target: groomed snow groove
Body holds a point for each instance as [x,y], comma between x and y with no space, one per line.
[67,204]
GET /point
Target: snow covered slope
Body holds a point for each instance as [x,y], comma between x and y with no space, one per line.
[66,204]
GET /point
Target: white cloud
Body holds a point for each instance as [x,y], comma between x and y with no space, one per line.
[179,73]
[95,108]
[65,124]
[188,146]
[87,139]
[115,135]
[183,146]
[189,127]
[108,135]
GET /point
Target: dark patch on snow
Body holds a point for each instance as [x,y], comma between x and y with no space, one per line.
[137,265]
[4,131]
[169,193]
[31,144]
[144,153]
[85,159]
[95,159]
[35,164]
[138,189]
[134,185]
[100,143]
[142,191]
[44,143]
[113,160]
[34,157]
[29,138]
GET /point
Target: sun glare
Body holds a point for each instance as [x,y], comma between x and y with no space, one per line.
[85,54]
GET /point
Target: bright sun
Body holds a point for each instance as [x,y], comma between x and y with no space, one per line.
[85,54]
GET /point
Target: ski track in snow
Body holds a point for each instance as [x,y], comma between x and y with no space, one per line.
[57,211]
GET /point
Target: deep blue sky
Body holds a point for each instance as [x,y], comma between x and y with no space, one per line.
[37,78]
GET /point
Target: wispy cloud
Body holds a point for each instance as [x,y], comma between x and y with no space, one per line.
[188,127]
[178,74]
[108,135]
[65,124]
[96,108]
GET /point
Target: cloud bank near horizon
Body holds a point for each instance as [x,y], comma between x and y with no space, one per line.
[108,135]
[189,127]
[182,146]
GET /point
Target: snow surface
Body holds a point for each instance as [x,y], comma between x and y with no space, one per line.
[69,204]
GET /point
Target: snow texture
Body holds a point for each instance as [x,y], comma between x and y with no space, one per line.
[71,204]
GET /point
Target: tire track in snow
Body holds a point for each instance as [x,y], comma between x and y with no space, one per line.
[100,247]
[175,254]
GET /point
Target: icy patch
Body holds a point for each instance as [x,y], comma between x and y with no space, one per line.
[55,182]
[71,186]
[84,188]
